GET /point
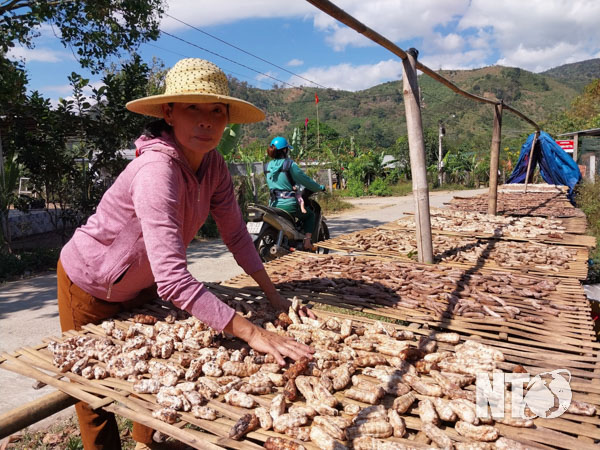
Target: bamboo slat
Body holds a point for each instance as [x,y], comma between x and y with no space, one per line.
[478,226]
[541,204]
[467,252]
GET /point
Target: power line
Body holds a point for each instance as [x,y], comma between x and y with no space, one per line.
[244,51]
[264,74]
[228,59]
[188,56]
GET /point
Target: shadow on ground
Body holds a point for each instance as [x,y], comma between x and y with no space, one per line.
[30,294]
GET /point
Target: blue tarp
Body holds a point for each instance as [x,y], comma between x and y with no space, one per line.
[556,165]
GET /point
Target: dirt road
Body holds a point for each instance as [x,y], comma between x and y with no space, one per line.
[28,308]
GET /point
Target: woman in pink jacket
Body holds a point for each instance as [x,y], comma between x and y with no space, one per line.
[133,248]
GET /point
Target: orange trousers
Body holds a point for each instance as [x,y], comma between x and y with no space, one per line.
[76,308]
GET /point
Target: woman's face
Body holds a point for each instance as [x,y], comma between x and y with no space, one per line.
[198,127]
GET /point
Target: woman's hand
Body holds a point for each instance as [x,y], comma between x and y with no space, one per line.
[283,304]
[264,341]
[278,346]
[277,301]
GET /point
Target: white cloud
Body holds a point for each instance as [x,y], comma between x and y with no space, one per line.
[208,12]
[458,60]
[353,78]
[267,77]
[537,60]
[450,42]
[397,20]
[539,34]
[57,92]
[295,62]
[36,54]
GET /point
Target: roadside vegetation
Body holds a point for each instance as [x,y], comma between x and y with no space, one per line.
[588,199]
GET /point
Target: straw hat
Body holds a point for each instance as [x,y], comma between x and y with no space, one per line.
[195,80]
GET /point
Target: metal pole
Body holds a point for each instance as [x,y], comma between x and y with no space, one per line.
[416,146]
[440,135]
[317,124]
[495,160]
[537,133]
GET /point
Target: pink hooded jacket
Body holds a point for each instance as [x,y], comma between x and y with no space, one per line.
[144,223]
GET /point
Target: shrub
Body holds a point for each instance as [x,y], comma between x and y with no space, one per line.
[25,262]
[588,199]
[356,188]
[380,187]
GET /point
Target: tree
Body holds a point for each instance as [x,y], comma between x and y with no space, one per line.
[94,29]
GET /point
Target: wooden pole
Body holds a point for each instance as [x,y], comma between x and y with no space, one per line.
[495,160]
[32,412]
[537,133]
[575,146]
[416,146]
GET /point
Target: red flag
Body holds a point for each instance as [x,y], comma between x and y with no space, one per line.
[316,98]
[306,122]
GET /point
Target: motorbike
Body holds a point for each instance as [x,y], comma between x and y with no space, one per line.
[276,232]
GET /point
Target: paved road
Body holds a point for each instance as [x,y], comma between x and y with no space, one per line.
[28,308]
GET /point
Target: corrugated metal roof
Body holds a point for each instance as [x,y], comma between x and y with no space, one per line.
[590,132]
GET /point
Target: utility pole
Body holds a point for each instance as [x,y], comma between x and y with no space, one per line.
[441,134]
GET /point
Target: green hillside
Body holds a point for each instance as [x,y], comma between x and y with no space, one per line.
[375,116]
[577,74]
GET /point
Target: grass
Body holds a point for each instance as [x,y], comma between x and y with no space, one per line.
[65,434]
[333,203]
[588,199]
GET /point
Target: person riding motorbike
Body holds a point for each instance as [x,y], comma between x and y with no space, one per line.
[282,175]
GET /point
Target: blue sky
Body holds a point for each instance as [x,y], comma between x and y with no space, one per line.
[293,34]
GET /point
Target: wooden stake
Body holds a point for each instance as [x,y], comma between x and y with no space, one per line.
[495,159]
[535,138]
[32,412]
[417,157]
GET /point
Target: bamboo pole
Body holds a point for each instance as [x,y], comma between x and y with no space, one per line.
[32,412]
[537,133]
[495,160]
[416,145]
[341,15]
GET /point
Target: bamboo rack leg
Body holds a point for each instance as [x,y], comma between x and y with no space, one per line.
[163,427]
[537,133]
[417,157]
[494,160]
[32,412]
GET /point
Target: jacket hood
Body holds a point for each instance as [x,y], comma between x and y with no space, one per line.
[164,144]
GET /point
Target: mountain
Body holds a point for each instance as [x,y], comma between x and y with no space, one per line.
[375,116]
[576,74]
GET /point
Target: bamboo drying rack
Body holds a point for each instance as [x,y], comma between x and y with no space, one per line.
[579,240]
[577,266]
[571,332]
[568,431]
[544,204]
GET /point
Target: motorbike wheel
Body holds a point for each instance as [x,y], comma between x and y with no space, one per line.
[323,236]
[264,242]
